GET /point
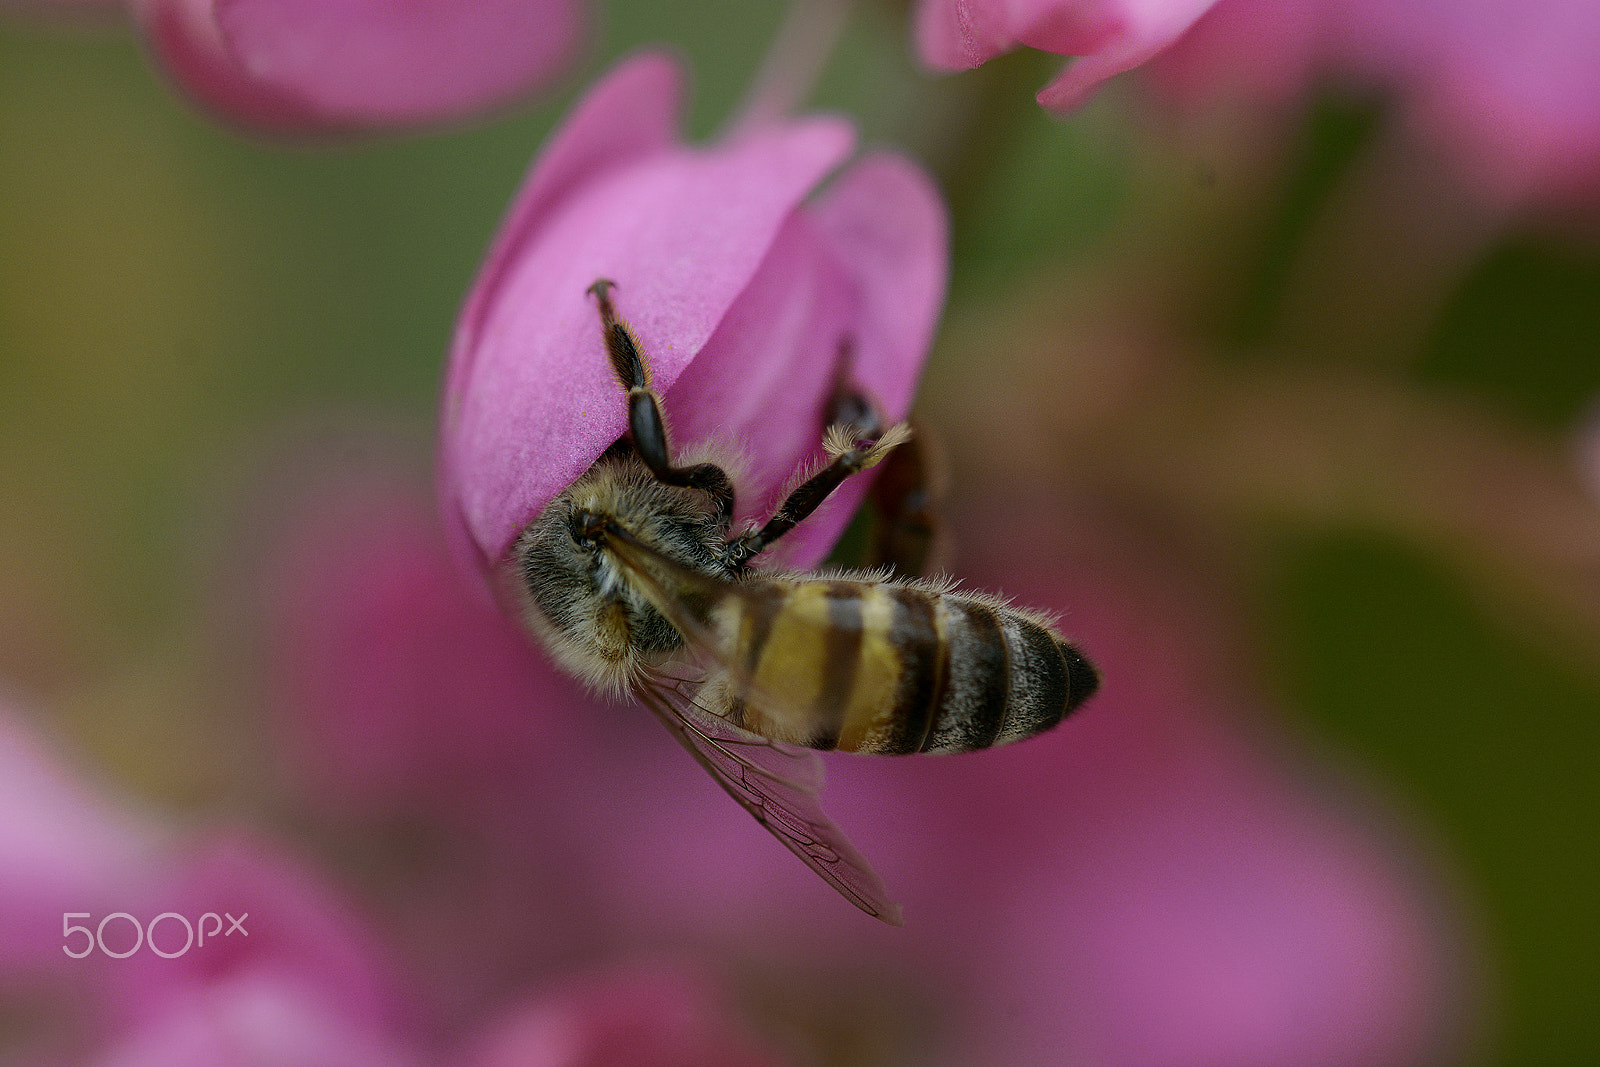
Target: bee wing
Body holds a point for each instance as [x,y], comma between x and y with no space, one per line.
[686,599]
[776,783]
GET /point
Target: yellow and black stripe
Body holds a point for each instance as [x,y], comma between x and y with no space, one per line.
[893,668]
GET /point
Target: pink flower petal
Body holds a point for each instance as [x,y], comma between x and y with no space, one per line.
[269,915]
[885,222]
[656,1015]
[307,65]
[64,847]
[729,280]
[1111,36]
[1233,923]
[1507,89]
[256,1019]
[393,685]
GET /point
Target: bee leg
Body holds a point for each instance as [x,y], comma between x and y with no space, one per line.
[907,535]
[646,425]
[850,455]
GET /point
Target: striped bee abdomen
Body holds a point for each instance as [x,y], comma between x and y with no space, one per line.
[895,668]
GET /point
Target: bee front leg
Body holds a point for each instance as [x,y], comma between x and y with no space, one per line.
[646,425]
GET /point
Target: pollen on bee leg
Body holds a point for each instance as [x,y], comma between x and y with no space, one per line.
[892,438]
[839,438]
[842,438]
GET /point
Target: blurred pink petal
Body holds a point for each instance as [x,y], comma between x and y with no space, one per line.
[1110,36]
[310,65]
[64,847]
[1509,90]
[1179,887]
[637,1016]
[1238,925]
[731,281]
[299,974]
[280,970]
[256,1019]
[290,923]
[394,687]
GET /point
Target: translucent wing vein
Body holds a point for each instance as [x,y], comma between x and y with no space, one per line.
[777,784]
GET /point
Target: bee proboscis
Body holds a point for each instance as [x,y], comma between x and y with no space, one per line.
[635,580]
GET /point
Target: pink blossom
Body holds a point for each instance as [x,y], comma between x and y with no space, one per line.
[301,978]
[252,959]
[391,684]
[301,66]
[1507,90]
[64,846]
[1110,36]
[660,1014]
[254,1020]
[742,291]
[79,868]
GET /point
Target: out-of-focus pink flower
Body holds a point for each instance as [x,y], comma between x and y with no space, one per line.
[304,66]
[257,1019]
[1109,36]
[300,980]
[1509,89]
[245,957]
[656,1015]
[742,292]
[392,685]
[64,846]
[1165,887]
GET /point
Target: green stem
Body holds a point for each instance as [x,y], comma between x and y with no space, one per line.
[794,62]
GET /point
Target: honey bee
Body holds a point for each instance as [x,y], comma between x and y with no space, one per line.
[635,581]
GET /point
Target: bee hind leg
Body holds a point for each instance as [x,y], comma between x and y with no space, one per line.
[646,424]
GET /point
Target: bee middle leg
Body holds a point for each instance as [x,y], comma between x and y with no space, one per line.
[646,424]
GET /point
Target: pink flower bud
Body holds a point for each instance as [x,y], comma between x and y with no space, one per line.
[296,66]
[743,291]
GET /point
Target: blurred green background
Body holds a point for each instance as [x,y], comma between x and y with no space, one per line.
[175,298]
